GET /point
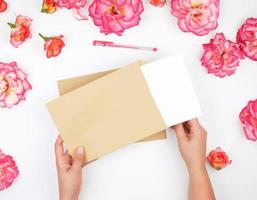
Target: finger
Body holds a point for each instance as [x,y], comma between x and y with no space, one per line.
[59,151]
[67,153]
[194,123]
[67,160]
[180,132]
[78,158]
[187,128]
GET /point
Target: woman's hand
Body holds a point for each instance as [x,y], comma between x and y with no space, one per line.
[191,138]
[69,170]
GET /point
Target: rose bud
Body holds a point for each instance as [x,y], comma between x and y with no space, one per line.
[3,6]
[48,6]
[53,45]
[218,159]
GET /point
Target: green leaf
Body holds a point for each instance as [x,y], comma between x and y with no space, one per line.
[11,25]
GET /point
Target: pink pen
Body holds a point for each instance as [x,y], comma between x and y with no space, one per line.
[112,44]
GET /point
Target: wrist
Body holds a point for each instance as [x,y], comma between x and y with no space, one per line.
[68,198]
[197,170]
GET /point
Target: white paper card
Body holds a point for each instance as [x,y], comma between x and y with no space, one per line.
[172,89]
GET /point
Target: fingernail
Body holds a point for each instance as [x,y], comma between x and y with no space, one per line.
[80,150]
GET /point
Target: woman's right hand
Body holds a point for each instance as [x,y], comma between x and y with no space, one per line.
[191,138]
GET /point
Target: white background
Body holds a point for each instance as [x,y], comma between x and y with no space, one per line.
[152,170]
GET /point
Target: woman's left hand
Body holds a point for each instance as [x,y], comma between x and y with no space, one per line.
[69,170]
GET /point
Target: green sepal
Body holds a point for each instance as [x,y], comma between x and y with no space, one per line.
[11,25]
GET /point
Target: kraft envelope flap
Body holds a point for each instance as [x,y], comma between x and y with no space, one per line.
[68,85]
[125,106]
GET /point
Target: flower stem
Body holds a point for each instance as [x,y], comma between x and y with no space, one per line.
[44,37]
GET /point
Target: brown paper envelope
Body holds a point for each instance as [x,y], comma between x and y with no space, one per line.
[107,114]
[68,85]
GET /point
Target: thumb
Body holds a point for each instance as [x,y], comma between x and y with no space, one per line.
[78,158]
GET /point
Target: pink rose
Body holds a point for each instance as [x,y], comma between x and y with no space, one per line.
[78,7]
[248,117]
[221,56]
[20,30]
[199,17]
[247,38]
[8,171]
[71,4]
[13,84]
[114,16]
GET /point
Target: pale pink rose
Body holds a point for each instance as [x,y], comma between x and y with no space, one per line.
[221,56]
[20,30]
[115,16]
[70,4]
[80,14]
[23,20]
[196,16]
[248,117]
[8,171]
[13,84]
[78,7]
[247,38]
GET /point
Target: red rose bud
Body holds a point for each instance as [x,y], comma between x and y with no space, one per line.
[157,3]
[3,6]
[53,45]
[218,159]
[49,6]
